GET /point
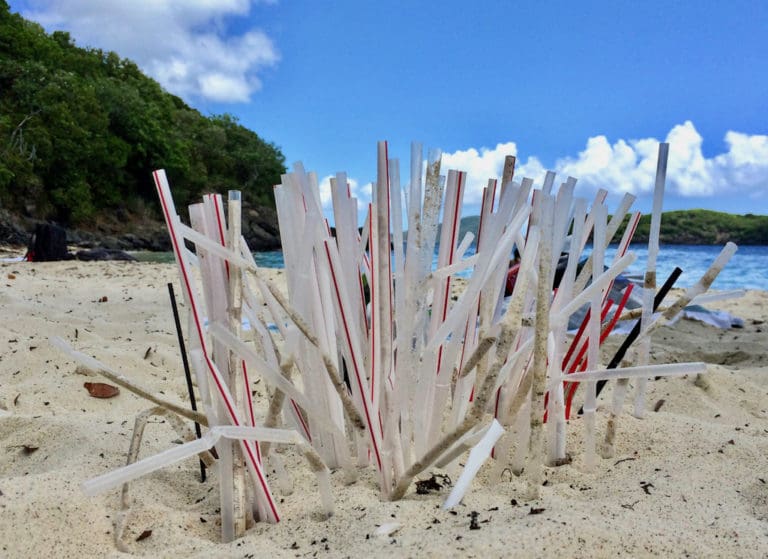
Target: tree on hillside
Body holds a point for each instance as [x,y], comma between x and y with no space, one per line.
[81,131]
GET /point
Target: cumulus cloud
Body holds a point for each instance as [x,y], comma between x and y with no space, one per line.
[183,44]
[361,192]
[630,165]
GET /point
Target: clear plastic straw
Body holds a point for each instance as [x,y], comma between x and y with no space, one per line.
[649,285]
[593,347]
[115,478]
[647,371]
[477,456]
[706,298]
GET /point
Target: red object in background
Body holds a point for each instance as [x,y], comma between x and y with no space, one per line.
[511,279]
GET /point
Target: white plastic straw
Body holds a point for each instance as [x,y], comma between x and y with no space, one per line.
[646,371]
[115,478]
[477,456]
[649,286]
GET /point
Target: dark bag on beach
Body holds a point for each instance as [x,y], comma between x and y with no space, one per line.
[48,244]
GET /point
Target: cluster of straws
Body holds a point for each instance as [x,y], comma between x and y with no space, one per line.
[372,361]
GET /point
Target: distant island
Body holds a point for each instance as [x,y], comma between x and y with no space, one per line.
[687,227]
[706,227]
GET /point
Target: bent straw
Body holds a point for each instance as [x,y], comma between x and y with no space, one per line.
[185,363]
[593,342]
[118,477]
[128,473]
[536,449]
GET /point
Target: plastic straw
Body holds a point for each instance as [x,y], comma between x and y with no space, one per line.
[645,371]
[128,473]
[477,456]
[593,347]
[649,286]
[185,363]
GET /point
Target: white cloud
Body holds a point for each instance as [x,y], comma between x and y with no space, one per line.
[356,190]
[183,44]
[630,165]
[479,165]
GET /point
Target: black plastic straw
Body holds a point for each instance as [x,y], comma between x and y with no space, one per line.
[630,339]
[184,360]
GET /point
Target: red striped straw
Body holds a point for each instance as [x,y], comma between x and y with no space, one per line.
[220,221]
[454,225]
[372,285]
[373,432]
[169,212]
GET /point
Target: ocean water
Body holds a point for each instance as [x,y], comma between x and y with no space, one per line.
[269,259]
[748,269]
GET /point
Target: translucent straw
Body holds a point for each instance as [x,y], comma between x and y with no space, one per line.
[646,371]
[649,286]
[477,456]
[115,478]
[593,348]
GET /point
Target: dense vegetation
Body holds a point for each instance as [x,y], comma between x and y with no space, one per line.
[81,130]
[707,227]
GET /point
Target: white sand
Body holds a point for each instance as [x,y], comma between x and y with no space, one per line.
[702,458]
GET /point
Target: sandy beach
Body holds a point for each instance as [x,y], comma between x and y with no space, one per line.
[689,480]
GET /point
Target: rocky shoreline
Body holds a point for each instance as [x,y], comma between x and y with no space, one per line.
[260,230]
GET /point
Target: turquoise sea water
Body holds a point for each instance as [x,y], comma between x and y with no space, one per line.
[748,269]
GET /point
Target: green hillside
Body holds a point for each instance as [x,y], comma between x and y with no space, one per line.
[82,129]
[706,227]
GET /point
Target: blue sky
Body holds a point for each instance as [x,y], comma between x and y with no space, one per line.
[585,88]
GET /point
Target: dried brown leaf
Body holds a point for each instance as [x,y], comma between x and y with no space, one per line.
[101,389]
[144,535]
